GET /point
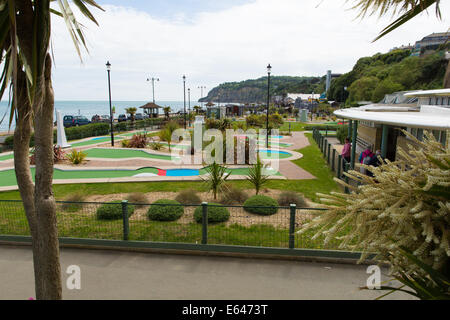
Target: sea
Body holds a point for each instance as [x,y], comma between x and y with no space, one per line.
[91,108]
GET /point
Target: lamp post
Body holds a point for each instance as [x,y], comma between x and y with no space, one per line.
[111,119]
[269,69]
[201,91]
[153,86]
[184,92]
[189,105]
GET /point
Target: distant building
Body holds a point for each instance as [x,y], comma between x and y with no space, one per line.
[430,43]
[379,126]
[408,47]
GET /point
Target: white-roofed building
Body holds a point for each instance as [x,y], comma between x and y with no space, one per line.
[378,126]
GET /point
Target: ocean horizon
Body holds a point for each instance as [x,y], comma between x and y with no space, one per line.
[93,107]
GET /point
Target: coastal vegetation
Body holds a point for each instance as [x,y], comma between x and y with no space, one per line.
[373,77]
[255,90]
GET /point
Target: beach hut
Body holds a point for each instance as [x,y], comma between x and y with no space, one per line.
[152,109]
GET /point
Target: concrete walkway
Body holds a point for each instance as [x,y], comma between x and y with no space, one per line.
[123,275]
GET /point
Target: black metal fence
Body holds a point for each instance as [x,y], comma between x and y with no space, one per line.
[129,221]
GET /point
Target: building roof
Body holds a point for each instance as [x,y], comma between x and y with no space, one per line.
[150,105]
[303,96]
[429,117]
[429,93]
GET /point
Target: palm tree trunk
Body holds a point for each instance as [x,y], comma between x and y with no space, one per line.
[44,198]
[22,135]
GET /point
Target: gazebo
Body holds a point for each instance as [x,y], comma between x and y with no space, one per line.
[152,109]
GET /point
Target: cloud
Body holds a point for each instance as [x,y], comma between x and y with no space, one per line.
[296,37]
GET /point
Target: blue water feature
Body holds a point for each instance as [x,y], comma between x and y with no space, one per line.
[182,173]
[274,151]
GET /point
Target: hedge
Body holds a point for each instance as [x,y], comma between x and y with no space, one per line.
[261,205]
[165,210]
[72,133]
[216,213]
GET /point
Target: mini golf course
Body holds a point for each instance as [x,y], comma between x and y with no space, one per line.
[8,177]
[126,154]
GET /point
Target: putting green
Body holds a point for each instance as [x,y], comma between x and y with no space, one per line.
[7,157]
[125,154]
[8,177]
[95,141]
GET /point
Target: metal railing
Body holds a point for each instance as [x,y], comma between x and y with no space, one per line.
[130,222]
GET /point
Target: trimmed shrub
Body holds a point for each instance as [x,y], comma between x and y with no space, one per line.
[165,210]
[261,205]
[216,213]
[110,211]
[287,198]
[188,196]
[232,195]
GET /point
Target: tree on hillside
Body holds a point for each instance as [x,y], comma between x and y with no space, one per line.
[407,9]
[27,65]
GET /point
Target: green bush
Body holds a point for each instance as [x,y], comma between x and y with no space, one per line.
[165,210]
[216,213]
[262,205]
[86,131]
[110,211]
[188,196]
[342,133]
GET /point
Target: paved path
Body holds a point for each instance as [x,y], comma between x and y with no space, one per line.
[123,275]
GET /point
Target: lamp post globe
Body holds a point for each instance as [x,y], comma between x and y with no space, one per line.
[111,119]
[269,70]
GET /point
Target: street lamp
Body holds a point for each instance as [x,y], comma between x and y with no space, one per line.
[201,90]
[269,69]
[189,105]
[184,92]
[111,119]
[153,86]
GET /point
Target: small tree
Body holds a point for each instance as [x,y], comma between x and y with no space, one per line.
[256,175]
[166,135]
[216,178]
[167,111]
[131,111]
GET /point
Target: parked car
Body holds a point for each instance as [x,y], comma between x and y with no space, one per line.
[105,118]
[138,116]
[75,121]
[122,117]
[96,118]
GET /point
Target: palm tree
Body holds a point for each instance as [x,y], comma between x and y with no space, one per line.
[27,64]
[197,109]
[408,10]
[131,111]
[167,111]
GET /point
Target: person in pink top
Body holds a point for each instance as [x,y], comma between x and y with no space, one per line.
[347,149]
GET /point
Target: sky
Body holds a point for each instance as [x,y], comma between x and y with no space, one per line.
[212,42]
